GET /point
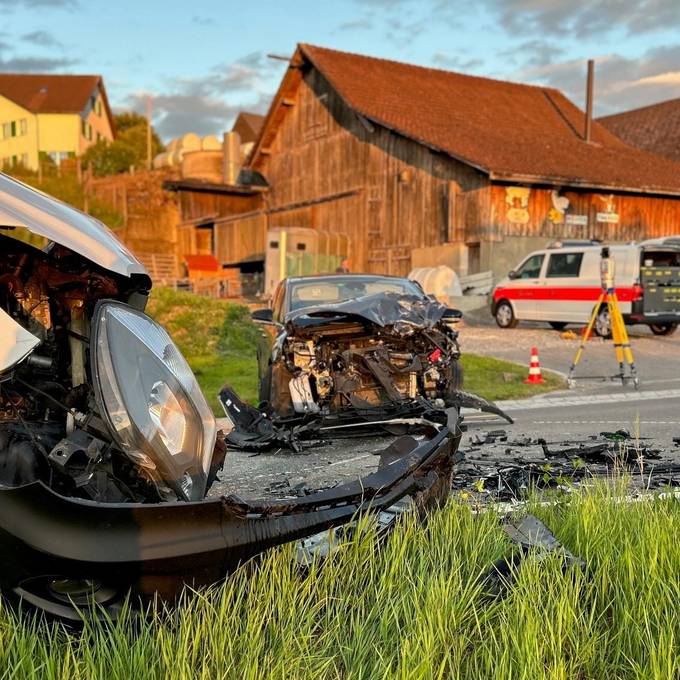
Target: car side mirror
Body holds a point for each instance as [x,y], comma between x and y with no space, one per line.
[512,274]
[262,315]
[451,314]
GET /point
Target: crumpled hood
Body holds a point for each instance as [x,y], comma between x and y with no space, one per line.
[42,215]
[404,312]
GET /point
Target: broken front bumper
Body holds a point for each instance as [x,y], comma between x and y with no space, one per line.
[157,548]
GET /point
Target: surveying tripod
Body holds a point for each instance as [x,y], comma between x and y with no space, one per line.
[618,328]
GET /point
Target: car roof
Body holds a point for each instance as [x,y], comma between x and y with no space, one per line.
[320,277]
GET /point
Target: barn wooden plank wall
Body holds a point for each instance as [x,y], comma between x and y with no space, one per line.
[639,216]
[387,193]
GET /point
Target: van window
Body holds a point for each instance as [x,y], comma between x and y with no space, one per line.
[531,269]
[564,264]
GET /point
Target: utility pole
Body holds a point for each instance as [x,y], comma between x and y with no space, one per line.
[148,132]
[589,99]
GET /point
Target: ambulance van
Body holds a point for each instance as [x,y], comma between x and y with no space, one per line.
[561,285]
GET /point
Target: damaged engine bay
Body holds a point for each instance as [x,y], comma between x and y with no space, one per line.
[381,357]
[365,352]
[50,426]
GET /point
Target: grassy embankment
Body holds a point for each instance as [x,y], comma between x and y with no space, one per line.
[411,608]
[219,341]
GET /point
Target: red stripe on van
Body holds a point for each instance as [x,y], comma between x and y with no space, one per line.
[574,293]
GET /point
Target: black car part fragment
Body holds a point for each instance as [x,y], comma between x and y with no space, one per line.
[261,430]
[156,548]
[533,538]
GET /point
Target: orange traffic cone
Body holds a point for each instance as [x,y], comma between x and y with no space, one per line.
[535,376]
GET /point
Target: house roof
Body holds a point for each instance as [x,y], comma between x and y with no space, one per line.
[40,93]
[248,125]
[654,128]
[511,131]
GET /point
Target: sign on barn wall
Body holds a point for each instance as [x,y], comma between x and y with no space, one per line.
[577,220]
[609,214]
[559,207]
[517,198]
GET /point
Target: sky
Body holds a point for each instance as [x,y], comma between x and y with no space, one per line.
[202,61]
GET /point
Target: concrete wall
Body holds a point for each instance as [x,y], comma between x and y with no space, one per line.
[501,257]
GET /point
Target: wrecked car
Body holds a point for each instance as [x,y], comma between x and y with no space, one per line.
[356,342]
[351,351]
[342,341]
[107,445]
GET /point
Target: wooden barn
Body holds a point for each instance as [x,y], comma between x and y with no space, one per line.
[421,167]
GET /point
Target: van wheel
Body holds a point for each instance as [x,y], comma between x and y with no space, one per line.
[505,317]
[558,325]
[603,326]
[663,328]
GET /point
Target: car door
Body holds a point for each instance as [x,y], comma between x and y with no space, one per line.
[562,295]
[525,285]
[269,332]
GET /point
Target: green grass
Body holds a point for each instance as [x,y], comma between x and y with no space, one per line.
[219,341]
[498,379]
[413,608]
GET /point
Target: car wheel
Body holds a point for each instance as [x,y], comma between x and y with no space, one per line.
[663,328]
[70,600]
[558,325]
[505,317]
[603,326]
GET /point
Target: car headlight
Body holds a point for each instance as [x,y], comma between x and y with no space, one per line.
[151,400]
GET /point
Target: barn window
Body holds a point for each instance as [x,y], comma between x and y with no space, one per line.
[273,244]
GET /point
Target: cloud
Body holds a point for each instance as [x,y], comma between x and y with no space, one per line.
[568,18]
[35,64]
[176,114]
[208,104]
[41,38]
[455,63]
[621,82]
[36,4]
[530,53]
[364,24]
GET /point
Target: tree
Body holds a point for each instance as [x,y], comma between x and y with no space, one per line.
[129,147]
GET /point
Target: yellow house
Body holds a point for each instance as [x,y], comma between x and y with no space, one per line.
[58,116]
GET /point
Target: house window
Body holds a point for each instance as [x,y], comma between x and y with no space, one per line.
[14,128]
[84,127]
[6,162]
[24,159]
[99,107]
[6,130]
[23,126]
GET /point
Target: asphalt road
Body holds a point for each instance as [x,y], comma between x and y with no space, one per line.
[594,404]
[657,358]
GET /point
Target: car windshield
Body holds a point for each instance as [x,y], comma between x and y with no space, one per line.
[314,292]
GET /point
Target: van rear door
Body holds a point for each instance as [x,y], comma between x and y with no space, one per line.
[660,279]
